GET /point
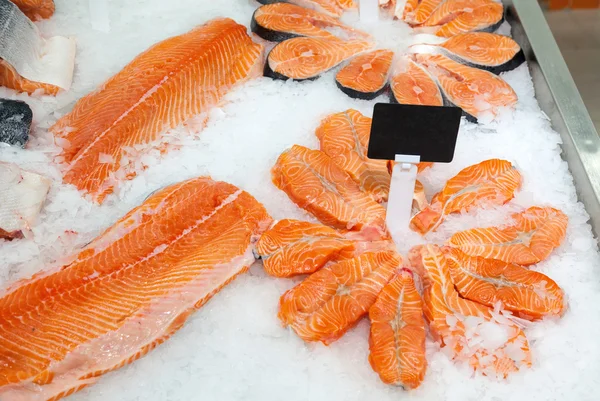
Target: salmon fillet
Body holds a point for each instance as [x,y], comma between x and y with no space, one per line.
[535,233]
[397,336]
[492,181]
[36,9]
[459,16]
[528,294]
[423,11]
[293,247]
[62,329]
[11,79]
[412,84]
[366,76]
[166,85]
[332,300]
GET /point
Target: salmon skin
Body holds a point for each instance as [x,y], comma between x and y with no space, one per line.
[535,233]
[128,290]
[413,84]
[10,78]
[15,122]
[458,16]
[313,181]
[528,294]
[492,181]
[366,76]
[462,326]
[475,91]
[331,301]
[307,58]
[36,10]
[281,21]
[293,247]
[213,57]
[397,335]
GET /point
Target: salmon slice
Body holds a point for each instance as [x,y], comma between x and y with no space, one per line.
[423,11]
[11,79]
[332,300]
[330,7]
[397,338]
[528,294]
[170,83]
[281,21]
[459,16]
[412,84]
[535,233]
[399,9]
[345,138]
[365,76]
[467,330]
[306,58]
[314,182]
[127,291]
[488,51]
[293,247]
[419,199]
[492,181]
[475,91]
[36,9]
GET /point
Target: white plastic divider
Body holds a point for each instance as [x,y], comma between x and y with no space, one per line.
[402,188]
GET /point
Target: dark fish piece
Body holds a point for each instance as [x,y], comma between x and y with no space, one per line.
[15,122]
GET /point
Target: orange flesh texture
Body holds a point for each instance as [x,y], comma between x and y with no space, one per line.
[317,184]
[368,72]
[397,337]
[492,181]
[450,9]
[332,300]
[189,234]
[415,86]
[529,294]
[535,233]
[345,138]
[36,10]
[482,48]
[478,19]
[293,247]
[9,78]
[423,11]
[158,90]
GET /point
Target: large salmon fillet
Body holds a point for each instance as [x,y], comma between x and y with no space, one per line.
[36,9]
[127,291]
[161,88]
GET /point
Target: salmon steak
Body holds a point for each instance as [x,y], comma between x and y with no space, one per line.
[160,89]
[475,91]
[314,182]
[468,331]
[331,301]
[11,79]
[333,8]
[491,182]
[399,8]
[127,291]
[345,138]
[307,58]
[535,233]
[412,84]
[366,76]
[397,337]
[459,16]
[36,10]
[422,11]
[526,293]
[281,21]
[293,247]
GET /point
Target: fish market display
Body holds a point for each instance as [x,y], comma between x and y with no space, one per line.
[36,9]
[491,181]
[293,247]
[459,16]
[366,76]
[307,58]
[64,328]
[413,84]
[22,194]
[535,233]
[529,294]
[15,122]
[215,56]
[397,339]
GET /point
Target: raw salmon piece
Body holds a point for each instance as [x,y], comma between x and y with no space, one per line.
[332,300]
[475,91]
[397,338]
[467,330]
[329,7]
[293,247]
[36,9]
[486,18]
[528,294]
[419,199]
[423,11]
[306,58]
[365,76]
[281,21]
[12,80]
[423,166]
[345,138]
[492,181]
[535,233]
[171,82]
[127,291]
[315,183]
[412,84]
[399,9]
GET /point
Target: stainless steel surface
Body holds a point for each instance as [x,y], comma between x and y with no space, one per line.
[559,98]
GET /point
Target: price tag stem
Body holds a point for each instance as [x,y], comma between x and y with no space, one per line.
[402,188]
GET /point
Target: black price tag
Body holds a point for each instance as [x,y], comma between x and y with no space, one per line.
[426,131]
